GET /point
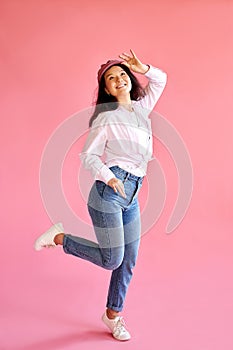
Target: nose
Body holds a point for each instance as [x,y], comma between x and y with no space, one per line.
[119,78]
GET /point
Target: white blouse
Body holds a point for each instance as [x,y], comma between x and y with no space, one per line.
[124,138]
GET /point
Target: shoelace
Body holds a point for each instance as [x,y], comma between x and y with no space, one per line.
[120,326]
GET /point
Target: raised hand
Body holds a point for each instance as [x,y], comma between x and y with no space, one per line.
[133,62]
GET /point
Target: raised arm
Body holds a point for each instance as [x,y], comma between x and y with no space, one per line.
[156,83]
[157,79]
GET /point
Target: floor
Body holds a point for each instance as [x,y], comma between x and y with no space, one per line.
[180,297]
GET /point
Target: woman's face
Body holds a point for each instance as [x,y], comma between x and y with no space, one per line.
[117,82]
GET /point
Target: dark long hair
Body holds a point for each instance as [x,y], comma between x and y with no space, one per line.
[107,102]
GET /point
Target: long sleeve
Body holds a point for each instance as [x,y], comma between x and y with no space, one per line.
[92,152]
[157,82]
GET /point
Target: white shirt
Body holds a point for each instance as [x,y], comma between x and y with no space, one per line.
[124,137]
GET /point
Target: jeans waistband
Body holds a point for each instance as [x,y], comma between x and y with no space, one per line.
[125,174]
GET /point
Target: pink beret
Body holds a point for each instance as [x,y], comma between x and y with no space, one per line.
[106,66]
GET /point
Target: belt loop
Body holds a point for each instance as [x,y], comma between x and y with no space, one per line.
[126,177]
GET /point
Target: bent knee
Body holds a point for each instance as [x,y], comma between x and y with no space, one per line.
[112,264]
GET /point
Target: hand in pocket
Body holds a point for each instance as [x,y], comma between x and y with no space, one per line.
[117,185]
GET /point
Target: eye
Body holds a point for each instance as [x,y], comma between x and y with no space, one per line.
[110,78]
[123,73]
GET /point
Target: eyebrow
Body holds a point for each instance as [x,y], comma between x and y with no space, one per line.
[112,73]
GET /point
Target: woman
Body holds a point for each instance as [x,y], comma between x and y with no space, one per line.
[120,129]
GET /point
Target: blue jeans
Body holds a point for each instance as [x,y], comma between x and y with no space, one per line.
[117,226]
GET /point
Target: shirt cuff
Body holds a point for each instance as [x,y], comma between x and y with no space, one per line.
[104,174]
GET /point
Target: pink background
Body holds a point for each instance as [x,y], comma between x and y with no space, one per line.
[181,294]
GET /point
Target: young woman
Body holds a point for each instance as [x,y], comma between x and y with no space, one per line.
[120,130]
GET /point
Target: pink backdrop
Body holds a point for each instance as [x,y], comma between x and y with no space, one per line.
[181,294]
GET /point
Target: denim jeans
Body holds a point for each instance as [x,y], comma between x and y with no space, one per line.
[116,221]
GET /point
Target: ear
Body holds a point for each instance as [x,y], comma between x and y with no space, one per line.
[106,90]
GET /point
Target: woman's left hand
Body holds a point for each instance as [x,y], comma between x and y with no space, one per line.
[133,63]
[117,185]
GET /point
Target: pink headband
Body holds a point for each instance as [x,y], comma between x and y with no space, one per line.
[104,67]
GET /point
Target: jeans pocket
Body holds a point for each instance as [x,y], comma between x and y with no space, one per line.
[100,187]
[109,194]
[96,192]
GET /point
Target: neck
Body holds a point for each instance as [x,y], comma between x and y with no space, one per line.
[124,100]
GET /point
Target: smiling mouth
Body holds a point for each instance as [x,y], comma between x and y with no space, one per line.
[121,86]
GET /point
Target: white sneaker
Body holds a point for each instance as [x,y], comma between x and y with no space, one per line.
[47,239]
[117,327]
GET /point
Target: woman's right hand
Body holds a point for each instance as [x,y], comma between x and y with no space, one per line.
[133,63]
[117,185]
